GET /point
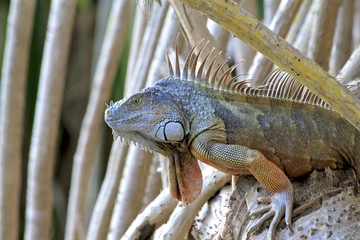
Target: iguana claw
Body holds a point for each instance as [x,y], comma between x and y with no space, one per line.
[280,204]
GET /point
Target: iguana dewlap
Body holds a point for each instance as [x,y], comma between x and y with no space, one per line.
[275,132]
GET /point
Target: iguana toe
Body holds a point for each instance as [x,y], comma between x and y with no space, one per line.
[281,204]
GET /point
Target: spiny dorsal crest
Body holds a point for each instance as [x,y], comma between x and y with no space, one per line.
[278,84]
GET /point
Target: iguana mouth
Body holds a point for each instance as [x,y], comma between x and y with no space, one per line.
[185,178]
[139,140]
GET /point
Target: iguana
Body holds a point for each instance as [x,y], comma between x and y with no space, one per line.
[275,131]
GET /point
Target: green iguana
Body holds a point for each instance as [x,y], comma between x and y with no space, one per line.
[277,131]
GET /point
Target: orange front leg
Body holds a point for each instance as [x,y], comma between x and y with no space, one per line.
[281,202]
[236,159]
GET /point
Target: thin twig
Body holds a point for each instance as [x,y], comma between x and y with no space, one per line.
[193,26]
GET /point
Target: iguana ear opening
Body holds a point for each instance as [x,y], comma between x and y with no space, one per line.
[185,178]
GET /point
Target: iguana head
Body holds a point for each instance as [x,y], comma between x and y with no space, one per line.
[150,119]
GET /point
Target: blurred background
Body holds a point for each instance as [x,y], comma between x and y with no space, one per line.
[62,176]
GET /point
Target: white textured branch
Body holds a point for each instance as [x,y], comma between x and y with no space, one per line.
[101,89]
[270,8]
[12,103]
[341,49]
[137,80]
[194,28]
[47,117]
[167,38]
[322,33]
[239,49]
[301,40]
[351,69]
[298,21]
[356,24]
[136,40]
[137,165]
[153,216]
[101,216]
[131,192]
[153,184]
[220,35]
[181,219]
[280,24]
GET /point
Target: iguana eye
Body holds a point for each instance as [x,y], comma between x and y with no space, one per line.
[135,101]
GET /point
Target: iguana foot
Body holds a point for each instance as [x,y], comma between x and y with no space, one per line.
[280,203]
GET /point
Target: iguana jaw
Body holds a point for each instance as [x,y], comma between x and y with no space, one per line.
[138,140]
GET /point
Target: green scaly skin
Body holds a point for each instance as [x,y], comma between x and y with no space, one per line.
[272,139]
